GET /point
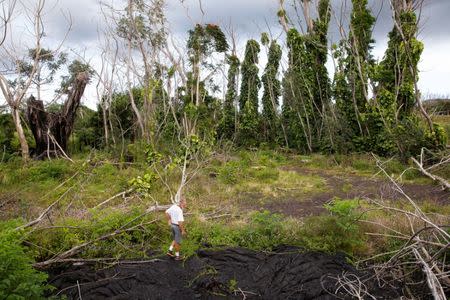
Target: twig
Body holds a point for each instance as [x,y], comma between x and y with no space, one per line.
[79,291]
[437,178]
[114,197]
[45,212]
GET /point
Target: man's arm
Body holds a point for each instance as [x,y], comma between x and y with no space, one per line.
[183,230]
[169,220]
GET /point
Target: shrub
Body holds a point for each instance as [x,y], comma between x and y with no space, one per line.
[263,174]
[230,173]
[336,232]
[49,170]
[18,279]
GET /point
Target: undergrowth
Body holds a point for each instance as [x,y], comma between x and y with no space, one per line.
[270,173]
[18,279]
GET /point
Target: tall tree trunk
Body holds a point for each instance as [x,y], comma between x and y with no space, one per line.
[22,139]
[105,126]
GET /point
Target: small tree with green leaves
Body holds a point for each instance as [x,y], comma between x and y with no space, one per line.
[201,114]
[203,42]
[18,278]
[48,63]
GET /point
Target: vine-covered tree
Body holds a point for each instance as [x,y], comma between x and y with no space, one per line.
[228,122]
[396,94]
[248,99]
[306,86]
[272,92]
[351,81]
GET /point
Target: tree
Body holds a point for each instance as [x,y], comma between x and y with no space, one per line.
[396,93]
[248,100]
[200,111]
[16,82]
[15,90]
[143,28]
[48,63]
[228,123]
[272,92]
[306,87]
[360,60]
[51,131]
[351,80]
[202,42]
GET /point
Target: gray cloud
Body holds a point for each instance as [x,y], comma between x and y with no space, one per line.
[251,17]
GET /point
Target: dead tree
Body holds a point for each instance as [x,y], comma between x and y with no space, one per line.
[51,131]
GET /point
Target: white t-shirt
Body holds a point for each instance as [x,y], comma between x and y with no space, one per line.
[176,214]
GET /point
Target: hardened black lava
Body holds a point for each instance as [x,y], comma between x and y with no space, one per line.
[234,273]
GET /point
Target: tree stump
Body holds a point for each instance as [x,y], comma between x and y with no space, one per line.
[51,131]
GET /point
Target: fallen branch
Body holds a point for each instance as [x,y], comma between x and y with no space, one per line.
[81,261]
[432,281]
[45,212]
[157,207]
[78,248]
[437,178]
[425,244]
[114,197]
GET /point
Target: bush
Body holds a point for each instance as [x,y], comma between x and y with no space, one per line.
[337,232]
[264,174]
[18,279]
[230,173]
[50,170]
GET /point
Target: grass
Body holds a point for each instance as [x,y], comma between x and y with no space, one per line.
[39,183]
[226,186]
[444,121]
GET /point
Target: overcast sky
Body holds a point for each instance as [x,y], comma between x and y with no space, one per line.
[250,18]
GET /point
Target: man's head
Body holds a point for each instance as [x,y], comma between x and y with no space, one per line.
[182,203]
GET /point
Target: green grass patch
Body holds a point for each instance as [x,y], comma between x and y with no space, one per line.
[18,279]
[339,232]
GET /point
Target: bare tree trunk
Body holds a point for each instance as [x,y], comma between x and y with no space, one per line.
[105,126]
[21,135]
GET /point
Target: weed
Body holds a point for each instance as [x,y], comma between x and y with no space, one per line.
[230,173]
[18,279]
[49,170]
[347,187]
[232,285]
[263,174]
[337,232]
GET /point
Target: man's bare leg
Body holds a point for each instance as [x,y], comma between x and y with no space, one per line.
[176,246]
[171,248]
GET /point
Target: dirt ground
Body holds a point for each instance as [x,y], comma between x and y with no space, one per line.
[348,186]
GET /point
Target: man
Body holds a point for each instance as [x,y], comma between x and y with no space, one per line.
[176,221]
